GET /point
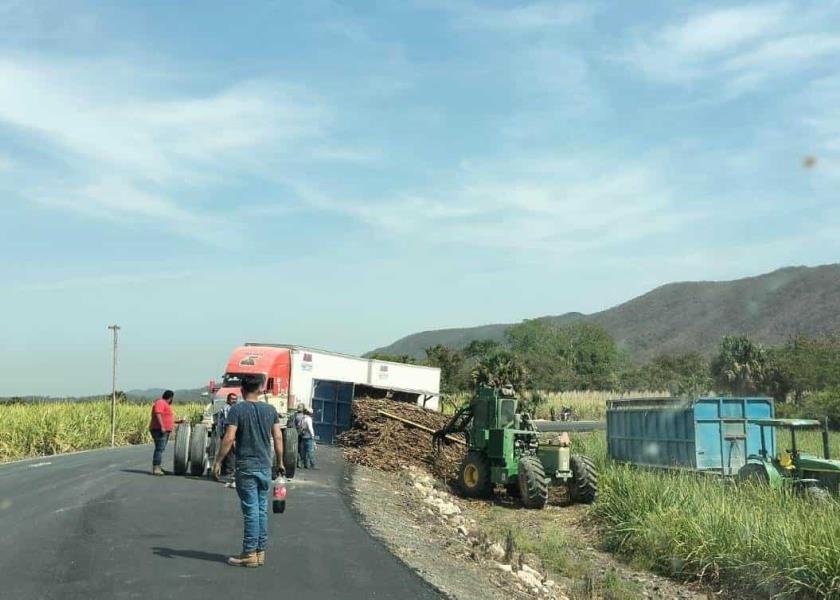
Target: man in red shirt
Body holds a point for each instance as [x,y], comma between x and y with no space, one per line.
[163,420]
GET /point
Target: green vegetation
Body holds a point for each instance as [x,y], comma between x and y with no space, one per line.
[42,429]
[694,527]
[803,375]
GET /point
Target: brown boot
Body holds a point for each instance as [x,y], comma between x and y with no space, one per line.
[261,557]
[156,470]
[244,560]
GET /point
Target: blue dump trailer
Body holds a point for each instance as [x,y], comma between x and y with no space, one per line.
[707,434]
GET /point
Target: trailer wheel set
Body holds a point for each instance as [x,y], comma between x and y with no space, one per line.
[196,447]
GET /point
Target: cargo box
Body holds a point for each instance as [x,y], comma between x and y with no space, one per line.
[706,434]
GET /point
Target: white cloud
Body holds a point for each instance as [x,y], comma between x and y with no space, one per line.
[117,200]
[724,29]
[135,154]
[73,106]
[560,207]
[739,48]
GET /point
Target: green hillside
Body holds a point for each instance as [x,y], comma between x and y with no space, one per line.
[686,316]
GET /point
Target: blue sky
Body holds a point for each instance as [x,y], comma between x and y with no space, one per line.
[342,174]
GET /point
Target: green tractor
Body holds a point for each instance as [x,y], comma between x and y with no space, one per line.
[804,473]
[504,449]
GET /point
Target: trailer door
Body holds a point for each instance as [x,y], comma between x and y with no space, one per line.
[332,402]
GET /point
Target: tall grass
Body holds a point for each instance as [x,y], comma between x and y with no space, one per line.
[690,526]
[749,537]
[51,428]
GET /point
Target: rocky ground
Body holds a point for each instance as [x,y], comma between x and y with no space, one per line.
[479,549]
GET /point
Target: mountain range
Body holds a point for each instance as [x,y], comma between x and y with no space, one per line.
[689,316]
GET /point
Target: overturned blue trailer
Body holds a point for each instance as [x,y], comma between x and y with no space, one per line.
[706,434]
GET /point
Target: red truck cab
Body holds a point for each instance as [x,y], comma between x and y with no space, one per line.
[271,366]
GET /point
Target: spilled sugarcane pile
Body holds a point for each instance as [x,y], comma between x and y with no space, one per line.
[375,440]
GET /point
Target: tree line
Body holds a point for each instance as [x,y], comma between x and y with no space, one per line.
[803,374]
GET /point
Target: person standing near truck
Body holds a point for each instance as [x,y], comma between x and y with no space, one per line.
[300,413]
[252,425]
[160,426]
[229,463]
[306,431]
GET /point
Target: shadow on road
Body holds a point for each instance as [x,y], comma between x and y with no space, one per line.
[169,474]
[196,554]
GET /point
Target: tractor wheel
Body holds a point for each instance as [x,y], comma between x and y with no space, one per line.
[533,491]
[290,450]
[182,449]
[755,473]
[584,485]
[474,476]
[198,450]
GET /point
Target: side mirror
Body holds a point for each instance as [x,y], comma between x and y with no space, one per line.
[211,387]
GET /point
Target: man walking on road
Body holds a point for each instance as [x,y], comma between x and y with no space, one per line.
[252,425]
[163,419]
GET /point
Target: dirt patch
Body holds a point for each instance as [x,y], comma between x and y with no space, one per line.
[424,527]
[473,549]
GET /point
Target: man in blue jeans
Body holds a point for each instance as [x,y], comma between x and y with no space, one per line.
[160,427]
[253,425]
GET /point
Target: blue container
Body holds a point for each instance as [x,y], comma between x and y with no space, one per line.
[706,434]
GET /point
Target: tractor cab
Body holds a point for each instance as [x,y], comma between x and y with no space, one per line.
[805,472]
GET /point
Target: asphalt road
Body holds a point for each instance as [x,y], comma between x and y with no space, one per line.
[97,525]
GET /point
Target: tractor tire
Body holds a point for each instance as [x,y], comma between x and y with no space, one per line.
[533,490]
[290,450]
[474,476]
[198,450]
[182,449]
[584,485]
[753,473]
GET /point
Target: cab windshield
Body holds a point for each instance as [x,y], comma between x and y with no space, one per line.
[234,380]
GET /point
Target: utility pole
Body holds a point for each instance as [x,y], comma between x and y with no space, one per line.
[114,329]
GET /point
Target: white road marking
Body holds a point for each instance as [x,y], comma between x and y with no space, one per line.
[40,464]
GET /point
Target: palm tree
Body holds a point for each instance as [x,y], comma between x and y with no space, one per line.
[740,366]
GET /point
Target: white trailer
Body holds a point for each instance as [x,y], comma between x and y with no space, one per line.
[289,375]
[413,383]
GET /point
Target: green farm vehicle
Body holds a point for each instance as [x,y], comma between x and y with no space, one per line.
[504,449]
[805,473]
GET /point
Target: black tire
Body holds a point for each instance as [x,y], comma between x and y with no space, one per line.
[290,450]
[182,449]
[533,490]
[198,450]
[753,473]
[512,489]
[474,476]
[584,484]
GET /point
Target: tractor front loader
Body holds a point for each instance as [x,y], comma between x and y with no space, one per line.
[504,449]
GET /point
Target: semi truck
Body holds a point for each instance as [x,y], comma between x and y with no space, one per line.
[291,375]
